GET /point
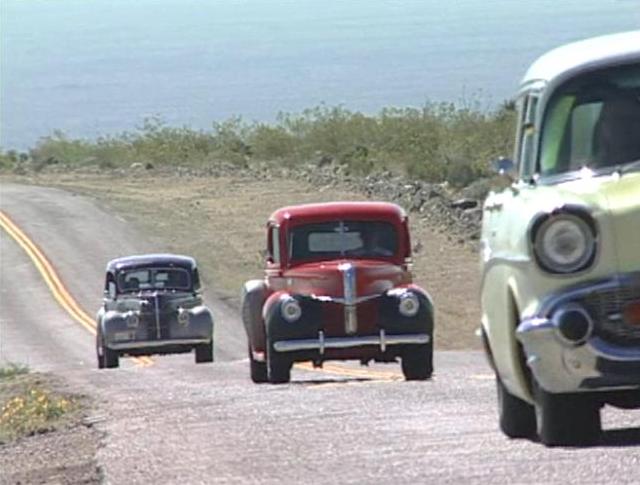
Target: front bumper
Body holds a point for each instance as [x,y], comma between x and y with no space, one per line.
[608,360]
[153,344]
[321,343]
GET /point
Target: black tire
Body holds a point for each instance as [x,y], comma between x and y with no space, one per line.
[258,370]
[567,419]
[110,359]
[417,362]
[517,417]
[204,353]
[278,366]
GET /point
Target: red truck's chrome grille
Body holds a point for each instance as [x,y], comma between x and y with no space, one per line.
[333,318]
[607,308]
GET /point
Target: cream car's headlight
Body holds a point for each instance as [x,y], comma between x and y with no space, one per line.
[291,310]
[564,243]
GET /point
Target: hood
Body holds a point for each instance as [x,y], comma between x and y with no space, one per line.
[615,203]
[327,278]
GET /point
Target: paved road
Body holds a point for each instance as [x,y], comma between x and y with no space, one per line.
[179,422]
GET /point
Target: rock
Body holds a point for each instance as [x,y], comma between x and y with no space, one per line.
[135,166]
[464,204]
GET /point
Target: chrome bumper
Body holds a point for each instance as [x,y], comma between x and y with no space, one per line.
[561,368]
[156,343]
[321,343]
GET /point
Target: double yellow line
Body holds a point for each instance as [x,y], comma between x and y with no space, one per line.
[51,278]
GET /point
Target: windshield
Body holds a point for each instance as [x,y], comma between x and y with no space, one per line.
[141,279]
[593,121]
[339,239]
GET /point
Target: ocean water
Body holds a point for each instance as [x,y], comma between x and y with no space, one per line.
[97,67]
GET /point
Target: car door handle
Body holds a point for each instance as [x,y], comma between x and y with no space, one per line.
[493,206]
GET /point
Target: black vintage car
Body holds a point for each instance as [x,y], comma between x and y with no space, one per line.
[152,306]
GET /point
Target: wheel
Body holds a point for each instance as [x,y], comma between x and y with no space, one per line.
[566,419]
[417,362]
[107,358]
[258,370]
[204,353]
[517,417]
[278,366]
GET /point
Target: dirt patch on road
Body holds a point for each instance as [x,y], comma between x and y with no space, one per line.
[220,221]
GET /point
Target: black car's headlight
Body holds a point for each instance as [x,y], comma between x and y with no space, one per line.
[132,318]
[290,309]
[564,243]
[184,316]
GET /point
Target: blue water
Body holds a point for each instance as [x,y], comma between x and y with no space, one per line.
[94,67]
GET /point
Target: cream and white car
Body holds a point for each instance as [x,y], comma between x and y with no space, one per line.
[561,246]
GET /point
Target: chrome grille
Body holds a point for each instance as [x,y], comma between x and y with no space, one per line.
[606,307]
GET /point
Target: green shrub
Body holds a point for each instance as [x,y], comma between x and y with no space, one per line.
[437,142]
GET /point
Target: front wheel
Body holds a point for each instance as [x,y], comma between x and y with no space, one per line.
[204,353]
[517,417]
[417,362]
[566,419]
[107,358]
[278,366]
[258,369]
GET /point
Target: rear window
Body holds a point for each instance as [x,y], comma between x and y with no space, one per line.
[337,239]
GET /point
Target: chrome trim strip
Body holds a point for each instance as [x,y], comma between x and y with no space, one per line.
[348,342]
[349,288]
[342,301]
[614,352]
[157,308]
[157,343]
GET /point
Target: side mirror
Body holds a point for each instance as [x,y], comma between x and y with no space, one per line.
[505,167]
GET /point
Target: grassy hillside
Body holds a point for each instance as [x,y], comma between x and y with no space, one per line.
[435,143]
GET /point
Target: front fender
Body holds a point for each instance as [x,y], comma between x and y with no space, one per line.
[277,328]
[201,320]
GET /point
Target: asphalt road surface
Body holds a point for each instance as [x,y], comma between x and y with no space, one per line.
[175,421]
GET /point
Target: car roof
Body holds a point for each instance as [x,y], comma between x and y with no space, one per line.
[584,54]
[339,210]
[146,260]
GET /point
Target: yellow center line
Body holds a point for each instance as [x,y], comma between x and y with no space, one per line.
[52,280]
[333,368]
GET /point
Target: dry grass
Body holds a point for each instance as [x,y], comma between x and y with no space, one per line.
[220,221]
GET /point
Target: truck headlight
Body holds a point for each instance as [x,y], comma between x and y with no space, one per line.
[564,243]
[290,309]
[133,319]
[409,304]
[183,317]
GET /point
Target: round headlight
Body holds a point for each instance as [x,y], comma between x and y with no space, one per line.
[183,317]
[133,319]
[564,244]
[409,304]
[291,310]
